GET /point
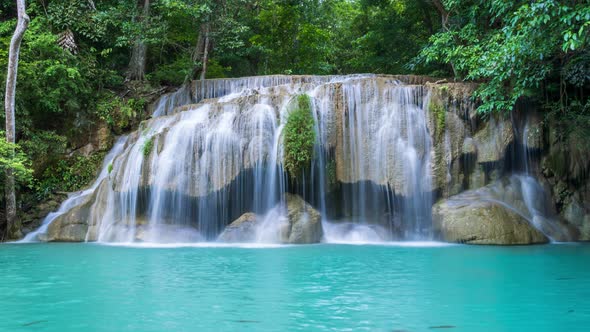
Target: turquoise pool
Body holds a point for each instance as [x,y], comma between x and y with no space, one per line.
[417,287]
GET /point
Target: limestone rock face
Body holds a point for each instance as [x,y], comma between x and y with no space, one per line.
[575,214]
[493,139]
[482,222]
[585,229]
[69,227]
[242,229]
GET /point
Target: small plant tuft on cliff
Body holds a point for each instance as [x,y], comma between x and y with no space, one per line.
[440,116]
[148,146]
[299,137]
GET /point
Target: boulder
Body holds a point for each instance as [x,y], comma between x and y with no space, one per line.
[242,229]
[462,219]
[294,222]
[71,226]
[305,221]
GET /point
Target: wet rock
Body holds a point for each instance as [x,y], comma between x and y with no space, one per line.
[463,220]
[294,222]
[512,210]
[585,229]
[477,178]
[493,139]
[73,225]
[469,146]
[533,136]
[242,229]
[575,214]
[305,221]
[69,227]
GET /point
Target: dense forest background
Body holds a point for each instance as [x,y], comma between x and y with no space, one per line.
[88,68]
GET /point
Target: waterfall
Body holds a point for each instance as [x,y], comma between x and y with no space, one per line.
[213,151]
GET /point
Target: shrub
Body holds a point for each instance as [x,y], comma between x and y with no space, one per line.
[71,174]
[11,156]
[299,137]
[118,113]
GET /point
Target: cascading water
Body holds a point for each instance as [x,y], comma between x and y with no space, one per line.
[382,147]
[81,196]
[213,151]
[535,197]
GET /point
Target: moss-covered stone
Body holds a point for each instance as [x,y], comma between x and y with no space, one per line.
[439,113]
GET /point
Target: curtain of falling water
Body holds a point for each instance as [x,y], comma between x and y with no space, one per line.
[214,160]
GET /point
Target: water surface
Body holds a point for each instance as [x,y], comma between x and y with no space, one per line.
[89,287]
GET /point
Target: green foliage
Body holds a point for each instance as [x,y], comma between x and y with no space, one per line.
[56,90]
[12,157]
[43,148]
[110,168]
[516,48]
[172,73]
[148,146]
[384,36]
[290,39]
[299,137]
[71,174]
[119,113]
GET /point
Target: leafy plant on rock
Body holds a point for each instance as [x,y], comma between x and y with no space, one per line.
[299,137]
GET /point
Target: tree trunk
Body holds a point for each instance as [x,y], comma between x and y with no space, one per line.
[205,55]
[12,223]
[444,14]
[136,71]
[201,52]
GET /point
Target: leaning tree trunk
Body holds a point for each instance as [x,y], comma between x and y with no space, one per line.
[136,70]
[12,223]
[201,52]
[205,57]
